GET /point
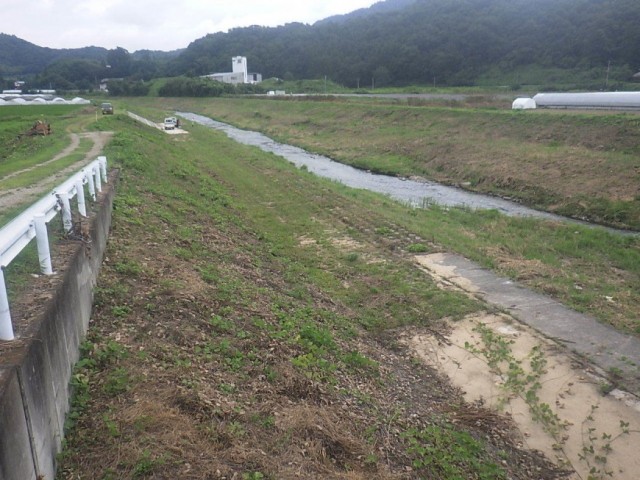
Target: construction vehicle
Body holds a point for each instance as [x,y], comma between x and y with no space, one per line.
[39,128]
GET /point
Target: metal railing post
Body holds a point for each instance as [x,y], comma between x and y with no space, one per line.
[82,207]
[42,242]
[97,179]
[66,212]
[92,187]
[103,168]
[6,328]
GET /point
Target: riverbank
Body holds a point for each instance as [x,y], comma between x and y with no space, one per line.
[242,297]
[578,164]
[587,270]
[250,310]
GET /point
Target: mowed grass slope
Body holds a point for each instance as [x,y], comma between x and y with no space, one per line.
[246,326]
[587,269]
[580,164]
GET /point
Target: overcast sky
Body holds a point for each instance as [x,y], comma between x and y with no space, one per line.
[152,24]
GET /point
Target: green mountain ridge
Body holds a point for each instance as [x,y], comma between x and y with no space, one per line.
[396,42]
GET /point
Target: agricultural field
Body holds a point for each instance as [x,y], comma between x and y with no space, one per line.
[249,319]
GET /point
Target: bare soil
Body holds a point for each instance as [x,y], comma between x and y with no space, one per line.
[587,418]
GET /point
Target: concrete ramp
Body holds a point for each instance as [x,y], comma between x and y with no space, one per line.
[601,344]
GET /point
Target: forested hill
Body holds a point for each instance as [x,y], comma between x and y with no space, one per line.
[386,6]
[454,42]
[18,56]
[395,42]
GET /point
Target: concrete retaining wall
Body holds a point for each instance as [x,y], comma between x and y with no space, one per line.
[36,369]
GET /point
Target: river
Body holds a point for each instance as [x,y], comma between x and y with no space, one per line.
[416,193]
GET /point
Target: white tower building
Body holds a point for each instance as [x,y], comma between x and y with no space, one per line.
[240,66]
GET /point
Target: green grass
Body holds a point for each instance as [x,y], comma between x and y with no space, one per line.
[498,151]
[450,453]
[561,258]
[38,173]
[588,269]
[18,151]
[264,268]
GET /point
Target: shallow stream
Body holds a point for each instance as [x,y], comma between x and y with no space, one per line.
[416,193]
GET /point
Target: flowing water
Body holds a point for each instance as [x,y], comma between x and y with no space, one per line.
[416,193]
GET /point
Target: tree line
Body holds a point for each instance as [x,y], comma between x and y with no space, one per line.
[447,42]
[403,42]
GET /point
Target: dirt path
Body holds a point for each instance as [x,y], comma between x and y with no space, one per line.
[18,196]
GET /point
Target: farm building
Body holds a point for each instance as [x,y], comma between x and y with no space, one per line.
[240,73]
[612,100]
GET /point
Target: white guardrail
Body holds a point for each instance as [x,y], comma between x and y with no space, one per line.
[18,233]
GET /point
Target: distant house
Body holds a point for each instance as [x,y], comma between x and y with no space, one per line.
[239,75]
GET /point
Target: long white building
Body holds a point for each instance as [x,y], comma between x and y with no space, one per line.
[240,73]
[612,100]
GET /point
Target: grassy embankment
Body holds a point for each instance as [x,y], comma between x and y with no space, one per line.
[23,158]
[244,324]
[245,310]
[584,165]
[587,269]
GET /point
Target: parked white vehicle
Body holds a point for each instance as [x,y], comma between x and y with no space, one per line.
[170,123]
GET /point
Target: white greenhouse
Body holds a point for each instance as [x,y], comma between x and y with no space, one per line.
[37,100]
[523,104]
[613,100]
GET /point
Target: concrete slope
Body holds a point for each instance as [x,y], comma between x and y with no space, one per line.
[615,353]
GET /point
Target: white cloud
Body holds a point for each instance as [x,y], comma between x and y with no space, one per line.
[153,24]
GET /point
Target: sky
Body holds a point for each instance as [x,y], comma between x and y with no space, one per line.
[152,24]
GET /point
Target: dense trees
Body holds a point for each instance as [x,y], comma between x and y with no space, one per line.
[398,42]
[202,87]
[129,88]
[70,74]
[450,41]
[81,68]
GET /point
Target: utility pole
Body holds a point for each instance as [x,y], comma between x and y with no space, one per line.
[606,82]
